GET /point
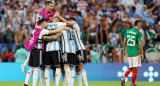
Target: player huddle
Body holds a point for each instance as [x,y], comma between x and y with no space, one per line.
[58,46]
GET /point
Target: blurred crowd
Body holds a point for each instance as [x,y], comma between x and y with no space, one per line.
[103,24]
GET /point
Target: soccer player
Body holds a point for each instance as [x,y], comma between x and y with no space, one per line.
[80,54]
[133,41]
[35,58]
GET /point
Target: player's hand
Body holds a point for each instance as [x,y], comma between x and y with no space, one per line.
[56,14]
[142,57]
[124,53]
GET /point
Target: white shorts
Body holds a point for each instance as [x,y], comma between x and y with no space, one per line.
[134,61]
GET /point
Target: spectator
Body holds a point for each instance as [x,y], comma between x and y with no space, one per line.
[28,28]
[94,56]
[114,37]
[92,36]
[112,55]
[104,35]
[79,19]
[8,38]
[89,60]
[21,55]
[157,30]
[84,35]
[19,37]
[16,21]
[150,35]
[9,56]
[81,6]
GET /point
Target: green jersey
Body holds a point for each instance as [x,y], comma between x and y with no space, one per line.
[133,36]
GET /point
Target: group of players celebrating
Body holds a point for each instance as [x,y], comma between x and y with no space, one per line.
[63,49]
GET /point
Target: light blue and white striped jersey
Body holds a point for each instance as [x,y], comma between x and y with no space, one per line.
[77,38]
[67,41]
[53,45]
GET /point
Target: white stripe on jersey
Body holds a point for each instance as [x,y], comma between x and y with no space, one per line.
[54,45]
[77,38]
[67,41]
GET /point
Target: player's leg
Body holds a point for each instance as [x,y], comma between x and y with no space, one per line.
[42,77]
[135,69]
[28,76]
[23,66]
[56,62]
[30,72]
[47,64]
[129,70]
[72,75]
[54,75]
[82,60]
[35,76]
[64,76]
[78,76]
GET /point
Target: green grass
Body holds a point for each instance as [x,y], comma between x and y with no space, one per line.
[90,84]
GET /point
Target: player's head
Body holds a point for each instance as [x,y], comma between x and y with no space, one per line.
[138,24]
[71,19]
[56,19]
[48,6]
[42,22]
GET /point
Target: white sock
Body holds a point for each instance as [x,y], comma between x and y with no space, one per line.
[27,60]
[72,77]
[35,77]
[57,76]
[47,78]
[79,79]
[53,78]
[84,76]
[68,75]
[64,79]
[28,76]
[42,78]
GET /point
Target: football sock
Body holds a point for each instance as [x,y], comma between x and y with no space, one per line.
[35,77]
[134,75]
[72,77]
[79,79]
[127,72]
[68,75]
[53,78]
[47,78]
[57,76]
[84,77]
[64,79]
[28,76]
[42,78]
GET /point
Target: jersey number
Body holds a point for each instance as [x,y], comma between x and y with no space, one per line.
[130,41]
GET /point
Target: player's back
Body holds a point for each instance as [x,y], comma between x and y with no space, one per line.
[133,36]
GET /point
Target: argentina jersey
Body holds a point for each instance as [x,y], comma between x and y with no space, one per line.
[77,38]
[54,45]
[67,41]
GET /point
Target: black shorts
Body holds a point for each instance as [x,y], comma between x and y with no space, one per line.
[81,56]
[67,58]
[35,59]
[74,59]
[52,58]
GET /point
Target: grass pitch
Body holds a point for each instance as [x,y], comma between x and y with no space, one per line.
[90,83]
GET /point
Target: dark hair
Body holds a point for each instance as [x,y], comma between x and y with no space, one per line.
[9,50]
[39,22]
[48,2]
[72,18]
[136,22]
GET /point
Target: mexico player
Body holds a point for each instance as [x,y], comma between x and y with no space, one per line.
[80,54]
[133,41]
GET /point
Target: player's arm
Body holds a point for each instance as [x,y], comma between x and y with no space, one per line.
[58,30]
[124,46]
[59,16]
[52,37]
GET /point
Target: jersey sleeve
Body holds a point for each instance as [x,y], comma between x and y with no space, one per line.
[45,32]
[139,36]
[62,24]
